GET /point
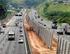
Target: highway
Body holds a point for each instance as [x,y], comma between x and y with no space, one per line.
[12,47]
[36,42]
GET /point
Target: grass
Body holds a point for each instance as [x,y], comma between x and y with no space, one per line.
[61,12]
[40,9]
[59,7]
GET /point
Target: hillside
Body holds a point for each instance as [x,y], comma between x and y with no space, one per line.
[59,12]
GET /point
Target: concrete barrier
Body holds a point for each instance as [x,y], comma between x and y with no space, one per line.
[28,47]
[46,35]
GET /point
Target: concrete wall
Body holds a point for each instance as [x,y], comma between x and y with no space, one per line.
[44,32]
[63,46]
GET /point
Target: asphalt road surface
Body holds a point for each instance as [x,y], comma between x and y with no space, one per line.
[12,47]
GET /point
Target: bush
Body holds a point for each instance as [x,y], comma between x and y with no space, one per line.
[3,11]
[58,12]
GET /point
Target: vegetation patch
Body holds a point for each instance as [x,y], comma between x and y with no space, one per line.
[59,12]
[3,11]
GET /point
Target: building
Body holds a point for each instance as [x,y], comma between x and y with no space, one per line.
[63,45]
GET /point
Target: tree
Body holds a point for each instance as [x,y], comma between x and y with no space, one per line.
[3,9]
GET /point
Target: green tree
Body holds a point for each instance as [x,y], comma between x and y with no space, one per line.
[3,9]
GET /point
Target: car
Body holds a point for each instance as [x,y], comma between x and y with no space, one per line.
[16,24]
[41,19]
[38,16]
[20,41]
[1,31]
[21,20]
[20,30]
[4,25]
[20,27]
[60,31]
[54,26]
[18,14]
[67,30]
[11,36]
[21,35]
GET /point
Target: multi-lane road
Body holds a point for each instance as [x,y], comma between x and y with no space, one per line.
[13,47]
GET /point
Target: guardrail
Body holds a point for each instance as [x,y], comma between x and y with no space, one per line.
[27,42]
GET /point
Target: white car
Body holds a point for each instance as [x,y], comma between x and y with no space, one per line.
[20,41]
[67,30]
[60,30]
[54,26]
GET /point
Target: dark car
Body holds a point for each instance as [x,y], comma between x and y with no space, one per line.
[18,14]
[38,16]
[16,24]
[4,25]
[20,27]
[20,30]
[11,36]
[21,35]
[54,26]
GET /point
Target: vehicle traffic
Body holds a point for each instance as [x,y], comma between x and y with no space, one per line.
[20,41]
[21,35]
[67,30]
[54,26]
[1,30]
[18,14]
[3,25]
[11,35]
[60,30]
